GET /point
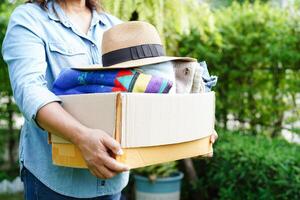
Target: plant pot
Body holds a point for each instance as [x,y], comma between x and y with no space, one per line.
[161,189]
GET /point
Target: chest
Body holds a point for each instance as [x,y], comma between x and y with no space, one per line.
[81,22]
[66,47]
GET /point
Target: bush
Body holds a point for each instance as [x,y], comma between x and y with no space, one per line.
[254,49]
[18,196]
[9,174]
[248,167]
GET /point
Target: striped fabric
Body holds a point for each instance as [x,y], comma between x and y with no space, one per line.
[71,81]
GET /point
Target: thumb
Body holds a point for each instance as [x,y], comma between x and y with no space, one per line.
[113,145]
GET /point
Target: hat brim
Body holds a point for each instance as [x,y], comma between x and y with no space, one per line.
[136,63]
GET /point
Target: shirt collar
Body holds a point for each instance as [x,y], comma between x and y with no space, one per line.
[52,11]
[56,13]
[98,18]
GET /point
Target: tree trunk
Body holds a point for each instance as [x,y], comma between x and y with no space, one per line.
[278,75]
[190,170]
[192,177]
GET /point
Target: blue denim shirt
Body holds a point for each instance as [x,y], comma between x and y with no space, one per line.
[38,45]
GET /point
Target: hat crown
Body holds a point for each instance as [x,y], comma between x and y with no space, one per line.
[129,34]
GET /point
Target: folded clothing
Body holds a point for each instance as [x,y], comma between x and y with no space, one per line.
[164,70]
[71,81]
[193,77]
[209,81]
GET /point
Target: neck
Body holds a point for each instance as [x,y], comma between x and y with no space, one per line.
[73,5]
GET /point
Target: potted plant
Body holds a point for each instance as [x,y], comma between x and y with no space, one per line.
[159,182]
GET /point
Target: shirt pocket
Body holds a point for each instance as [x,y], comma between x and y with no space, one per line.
[68,55]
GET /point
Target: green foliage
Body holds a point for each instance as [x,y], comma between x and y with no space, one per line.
[158,171]
[254,49]
[171,17]
[8,109]
[4,14]
[252,46]
[9,174]
[18,196]
[222,3]
[247,167]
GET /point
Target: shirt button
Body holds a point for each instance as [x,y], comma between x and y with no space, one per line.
[93,45]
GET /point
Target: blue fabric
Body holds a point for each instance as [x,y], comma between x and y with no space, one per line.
[210,81]
[37,46]
[71,81]
[35,189]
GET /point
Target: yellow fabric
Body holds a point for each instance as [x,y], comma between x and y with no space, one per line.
[141,83]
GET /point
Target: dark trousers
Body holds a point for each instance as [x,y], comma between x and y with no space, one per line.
[35,190]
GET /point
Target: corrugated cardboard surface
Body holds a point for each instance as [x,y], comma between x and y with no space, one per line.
[92,110]
[151,128]
[155,119]
[69,155]
[146,119]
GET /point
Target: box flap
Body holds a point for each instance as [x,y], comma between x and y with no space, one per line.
[69,155]
[161,119]
[145,156]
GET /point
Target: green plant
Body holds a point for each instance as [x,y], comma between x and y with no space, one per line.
[9,174]
[18,196]
[171,17]
[247,167]
[157,171]
[8,109]
[254,49]
[222,3]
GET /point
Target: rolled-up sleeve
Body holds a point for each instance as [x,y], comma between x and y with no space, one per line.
[24,52]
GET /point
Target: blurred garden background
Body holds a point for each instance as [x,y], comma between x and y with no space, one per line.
[254,49]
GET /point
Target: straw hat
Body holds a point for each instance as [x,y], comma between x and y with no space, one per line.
[132,44]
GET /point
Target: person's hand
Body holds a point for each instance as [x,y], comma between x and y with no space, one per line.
[96,147]
[213,138]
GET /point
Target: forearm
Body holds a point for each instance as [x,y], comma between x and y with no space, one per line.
[53,118]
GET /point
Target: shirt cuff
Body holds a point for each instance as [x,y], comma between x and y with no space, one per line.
[45,97]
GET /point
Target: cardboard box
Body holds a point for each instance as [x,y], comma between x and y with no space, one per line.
[151,128]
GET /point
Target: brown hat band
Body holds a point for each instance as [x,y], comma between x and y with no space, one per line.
[132,53]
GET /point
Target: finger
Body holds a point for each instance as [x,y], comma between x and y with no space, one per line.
[111,163]
[96,172]
[114,165]
[213,138]
[216,134]
[102,169]
[113,145]
[106,172]
[209,155]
